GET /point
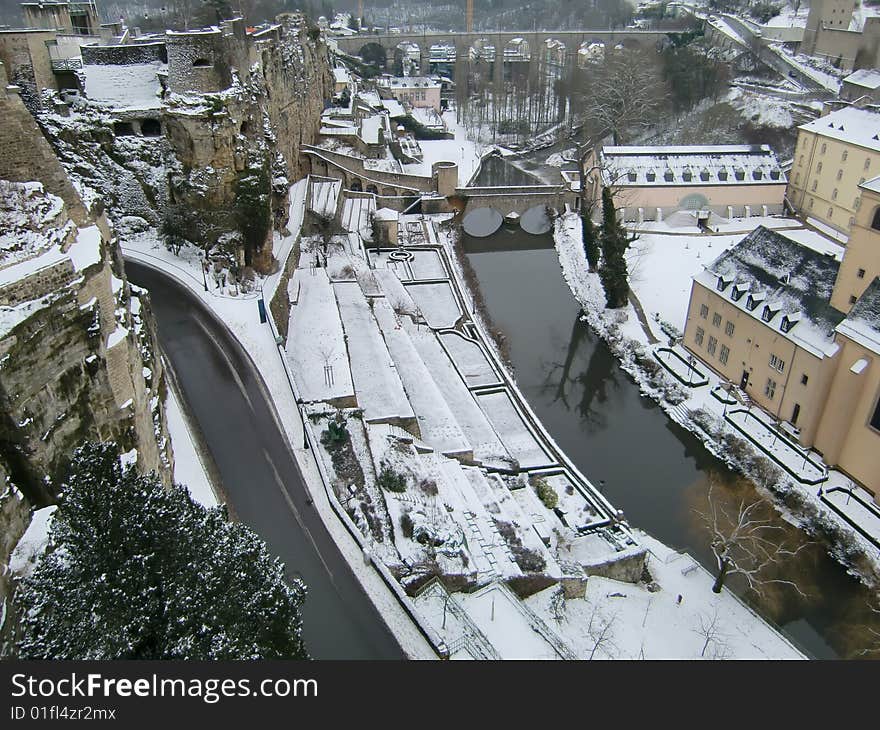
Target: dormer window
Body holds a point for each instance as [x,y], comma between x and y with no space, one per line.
[650,176]
[631,175]
[669,176]
[722,174]
[736,293]
[704,175]
[769,313]
[722,283]
[687,176]
[774,174]
[789,321]
[757,174]
[739,174]
[753,301]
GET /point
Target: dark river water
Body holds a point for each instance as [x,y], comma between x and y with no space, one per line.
[648,466]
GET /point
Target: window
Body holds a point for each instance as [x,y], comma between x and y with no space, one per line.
[868,163]
[710,348]
[875,222]
[857,203]
[811,203]
[728,329]
[797,178]
[698,335]
[834,194]
[860,273]
[716,320]
[839,174]
[725,353]
[819,169]
[777,363]
[767,313]
[805,379]
[844,156]
[801,160]
[875,419]
[831,212]
[704,311]
[770,388]
[814,186]
[853,299]
[822,151]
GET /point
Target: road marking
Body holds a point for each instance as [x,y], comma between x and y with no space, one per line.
[297,515]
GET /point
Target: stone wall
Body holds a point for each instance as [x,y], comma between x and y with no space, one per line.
[121,55]
[26,155]
[26,57]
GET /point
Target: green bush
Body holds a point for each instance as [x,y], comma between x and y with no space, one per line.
[391,480]
[335,435]
[546,493]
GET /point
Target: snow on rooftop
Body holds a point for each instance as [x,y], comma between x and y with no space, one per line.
[873,184]
[387,214]
[868,78]
[772,275]
[341,75]
[855,126]
[356,213]
[370,127]
[862,324]
[692,165]
[132,86]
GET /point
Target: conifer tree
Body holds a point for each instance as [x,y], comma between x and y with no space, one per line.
[139,571]
[590,238]
[614,242]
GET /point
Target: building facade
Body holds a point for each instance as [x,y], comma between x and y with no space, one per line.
[728,180]
[834,155]
[790,327]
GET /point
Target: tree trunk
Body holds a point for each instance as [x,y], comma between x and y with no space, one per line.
[722,572]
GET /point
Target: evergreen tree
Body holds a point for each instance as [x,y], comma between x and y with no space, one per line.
[614,242]
[590,237]
[139,571]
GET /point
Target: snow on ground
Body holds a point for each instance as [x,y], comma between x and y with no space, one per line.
[763,110]
[509,425]
[461,150]
[807,66]
[133,86]
[33,543]
[617,620]
[188,467]
[380,392]
[437,303]
[315,341]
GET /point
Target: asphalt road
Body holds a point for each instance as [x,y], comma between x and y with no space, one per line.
[259,474]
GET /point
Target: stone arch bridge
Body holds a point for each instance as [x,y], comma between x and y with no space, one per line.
[463,42]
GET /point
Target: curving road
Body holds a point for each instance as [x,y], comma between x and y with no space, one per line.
[260,476]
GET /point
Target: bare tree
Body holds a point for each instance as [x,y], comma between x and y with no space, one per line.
[600,631]
[622,95]
[743,542]
[713,636]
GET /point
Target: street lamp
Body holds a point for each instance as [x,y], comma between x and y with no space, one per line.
[204,267]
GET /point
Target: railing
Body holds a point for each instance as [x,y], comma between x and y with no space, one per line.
[66,64]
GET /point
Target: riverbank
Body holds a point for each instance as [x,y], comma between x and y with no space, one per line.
[693,407]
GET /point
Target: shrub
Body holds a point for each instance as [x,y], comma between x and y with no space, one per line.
[391,480]
[335,435]
[546,493]
[406,525]
[428,487]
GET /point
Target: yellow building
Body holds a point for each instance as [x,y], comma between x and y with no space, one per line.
[862,261]
[761,316]
[834,155]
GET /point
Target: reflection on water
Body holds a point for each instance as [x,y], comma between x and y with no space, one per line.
[650,467]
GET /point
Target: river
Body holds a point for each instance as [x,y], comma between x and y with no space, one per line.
[654,470]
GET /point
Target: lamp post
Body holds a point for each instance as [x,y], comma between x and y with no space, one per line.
[204,266]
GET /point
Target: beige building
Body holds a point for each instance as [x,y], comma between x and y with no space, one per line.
[417,91]
[843,32]
[728,180]
[861,265]
[761,316]
[834,155]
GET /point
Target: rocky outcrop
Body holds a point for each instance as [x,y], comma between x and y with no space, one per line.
[237,108]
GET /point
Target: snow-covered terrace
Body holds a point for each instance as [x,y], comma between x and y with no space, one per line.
[868,78]
[784,284]
[691,165]
[862,324]
[125,87]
